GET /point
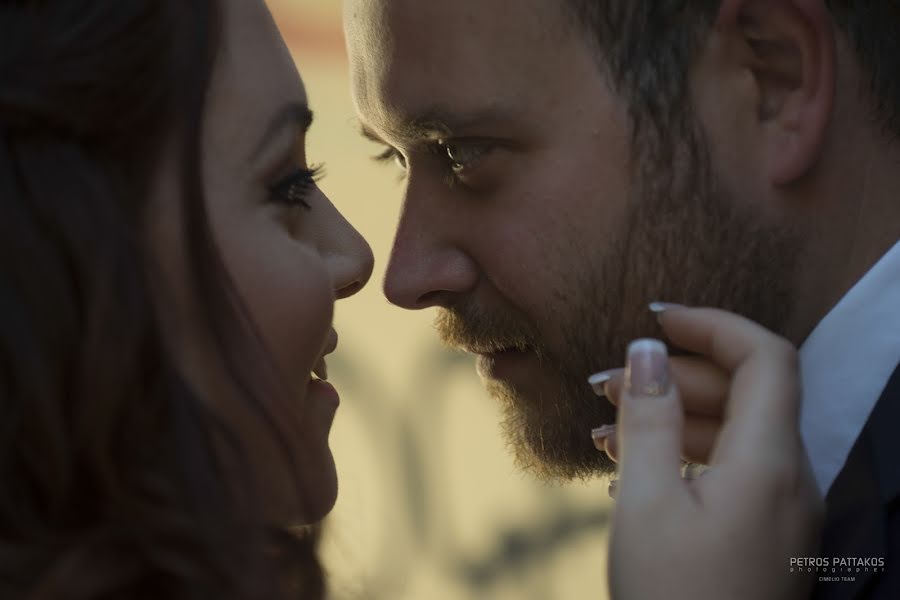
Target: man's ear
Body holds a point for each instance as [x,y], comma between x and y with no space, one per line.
[789,48]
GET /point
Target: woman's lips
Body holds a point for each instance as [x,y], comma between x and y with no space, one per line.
[323,390]
[320,370]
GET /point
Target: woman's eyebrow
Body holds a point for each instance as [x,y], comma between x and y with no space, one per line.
[293,114]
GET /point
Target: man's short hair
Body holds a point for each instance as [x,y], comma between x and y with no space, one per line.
[648,46]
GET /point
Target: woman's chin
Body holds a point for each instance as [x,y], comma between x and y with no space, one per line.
[321,500]
[319,493]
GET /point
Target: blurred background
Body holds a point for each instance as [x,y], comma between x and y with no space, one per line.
[430,506]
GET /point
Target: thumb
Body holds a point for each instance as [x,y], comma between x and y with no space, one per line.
[650,423]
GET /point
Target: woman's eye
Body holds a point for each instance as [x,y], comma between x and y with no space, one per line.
[294,189]
[464,156]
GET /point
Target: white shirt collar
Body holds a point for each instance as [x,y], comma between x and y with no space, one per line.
[846,362]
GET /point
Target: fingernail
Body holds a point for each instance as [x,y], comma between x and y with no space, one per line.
[658,308]
[693,470]
[647,371]
[661,307]
[600,434]
[598,381]
[613,489]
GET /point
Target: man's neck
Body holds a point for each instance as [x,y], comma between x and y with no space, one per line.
[852,221]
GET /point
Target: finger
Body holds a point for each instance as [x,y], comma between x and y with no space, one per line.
[613,488]
[649,426]
[612,388]
[725,338]
[702,385]
[763,409]
[600,381]
[699,439]
[700,435]
[611,448]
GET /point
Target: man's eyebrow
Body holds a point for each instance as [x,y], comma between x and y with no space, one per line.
[293,114]
[440,122]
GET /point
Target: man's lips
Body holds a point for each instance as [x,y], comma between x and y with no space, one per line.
[504,364]
[503,351]
[494,349]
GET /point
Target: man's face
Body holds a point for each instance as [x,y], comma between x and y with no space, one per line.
[528,218]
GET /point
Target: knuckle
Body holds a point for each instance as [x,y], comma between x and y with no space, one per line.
[788,353]
[781,355]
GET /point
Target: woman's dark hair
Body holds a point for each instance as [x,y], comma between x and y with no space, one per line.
[111,483]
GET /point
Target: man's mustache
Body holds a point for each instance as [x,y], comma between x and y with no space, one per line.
[472,329]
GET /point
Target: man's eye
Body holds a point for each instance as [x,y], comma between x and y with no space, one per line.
[391,154]
[464,155]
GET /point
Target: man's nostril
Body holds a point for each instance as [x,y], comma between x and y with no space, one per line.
[429,299]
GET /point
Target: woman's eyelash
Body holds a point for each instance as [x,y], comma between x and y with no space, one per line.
[294,189]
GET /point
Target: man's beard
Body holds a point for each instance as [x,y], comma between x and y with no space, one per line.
[685,240]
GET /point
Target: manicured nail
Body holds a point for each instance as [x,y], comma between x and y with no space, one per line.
[600,434]
[613,489]
[658,308]
[598,381]
[693,470]
[647,371]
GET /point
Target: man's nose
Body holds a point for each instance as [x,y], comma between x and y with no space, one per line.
[429,266]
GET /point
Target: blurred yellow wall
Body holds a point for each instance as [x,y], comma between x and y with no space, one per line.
[430,506]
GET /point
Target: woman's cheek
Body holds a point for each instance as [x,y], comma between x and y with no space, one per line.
[288,293]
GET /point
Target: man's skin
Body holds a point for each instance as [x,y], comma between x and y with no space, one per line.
[541,227]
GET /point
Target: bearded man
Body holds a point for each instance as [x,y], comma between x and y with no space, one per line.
[568,161]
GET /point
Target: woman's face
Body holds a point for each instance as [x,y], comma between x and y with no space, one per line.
[289,252]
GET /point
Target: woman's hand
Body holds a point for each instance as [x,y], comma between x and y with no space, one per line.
[703,388]
[731,533]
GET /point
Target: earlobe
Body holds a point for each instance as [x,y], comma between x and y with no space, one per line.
[791,47]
